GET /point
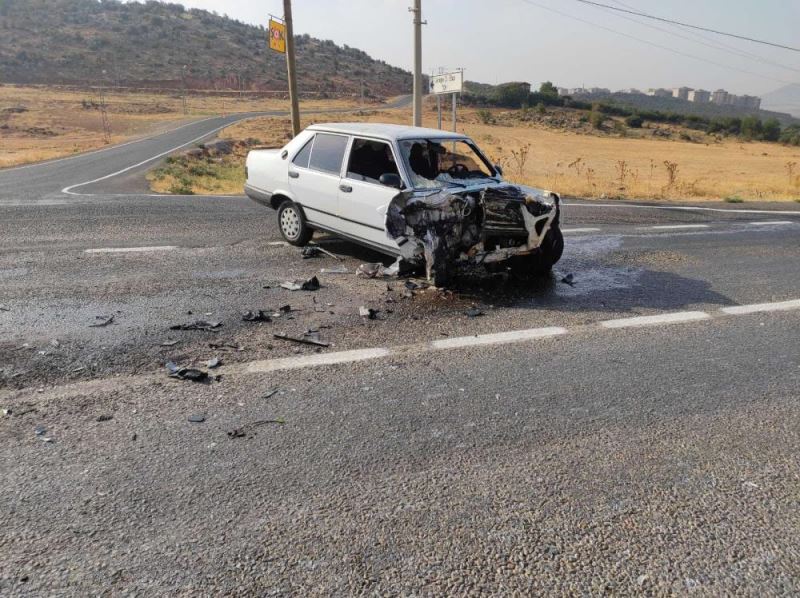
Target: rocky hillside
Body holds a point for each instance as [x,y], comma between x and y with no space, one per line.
[147,44]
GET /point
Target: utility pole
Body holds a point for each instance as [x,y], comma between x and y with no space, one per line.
[290,66]
[418,22]
[183,79]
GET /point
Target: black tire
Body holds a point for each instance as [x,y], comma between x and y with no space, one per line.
[292,224]
[552,247]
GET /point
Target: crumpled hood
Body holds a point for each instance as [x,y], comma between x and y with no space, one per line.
[483,223]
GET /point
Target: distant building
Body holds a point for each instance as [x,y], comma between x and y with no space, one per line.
[721,98]
[660,92]
[563,91]
[599,90]
[700,96]
[632,91]
[682,93]
[747,102]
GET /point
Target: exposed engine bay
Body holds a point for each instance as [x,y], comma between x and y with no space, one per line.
[480,226]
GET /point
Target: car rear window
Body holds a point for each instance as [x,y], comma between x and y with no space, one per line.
[301,159]
[328,153]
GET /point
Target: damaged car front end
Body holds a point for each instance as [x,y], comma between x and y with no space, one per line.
[479,225]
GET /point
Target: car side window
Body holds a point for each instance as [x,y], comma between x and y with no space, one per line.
[328,153]
[301,159]
[369,160]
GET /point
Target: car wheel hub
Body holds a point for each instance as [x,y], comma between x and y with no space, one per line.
[290,223]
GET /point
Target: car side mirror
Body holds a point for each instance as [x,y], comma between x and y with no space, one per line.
[391,179]
[498,169]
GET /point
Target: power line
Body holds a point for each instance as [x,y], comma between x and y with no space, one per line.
[655,45]
[698,27]
[716,45]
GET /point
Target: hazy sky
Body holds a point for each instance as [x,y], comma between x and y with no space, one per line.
[503,40]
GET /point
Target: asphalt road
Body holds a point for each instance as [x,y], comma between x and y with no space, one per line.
[551,445]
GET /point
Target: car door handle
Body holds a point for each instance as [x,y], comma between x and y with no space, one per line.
[345,188]
[294,175]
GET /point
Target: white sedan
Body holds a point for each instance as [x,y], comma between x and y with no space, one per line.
[420,194]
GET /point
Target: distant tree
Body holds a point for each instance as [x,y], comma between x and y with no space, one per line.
[634,121]
[751,128]
[548,89]
[771,130]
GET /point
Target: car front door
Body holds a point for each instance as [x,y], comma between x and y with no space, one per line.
[314,177]
[363,200]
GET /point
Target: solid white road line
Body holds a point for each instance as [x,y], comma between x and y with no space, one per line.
[104,149]
[671,318]
[676,226]
[131,249]
[499,338]
[769,222]
[68,190]
[761,307]
[581,230]
[681,208]
[304,361]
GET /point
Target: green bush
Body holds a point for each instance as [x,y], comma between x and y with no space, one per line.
[597,118]
[634,121]
[485,116]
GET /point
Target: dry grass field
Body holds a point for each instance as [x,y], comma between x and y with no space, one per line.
[41,123]
[575,163]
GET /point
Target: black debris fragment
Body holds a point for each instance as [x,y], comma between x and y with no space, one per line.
[474,312]
[256,316]
[225,346]
[307,339]
[197,419]
[4,308]
[271,394]
[214,363]
[190,374]
[368,312]
[8,412]
[247,429]
[104,321]
[312,284]
[198,325]
[105,418]
[310,251]
[569,279]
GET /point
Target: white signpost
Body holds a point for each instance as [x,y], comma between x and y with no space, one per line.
[447,83]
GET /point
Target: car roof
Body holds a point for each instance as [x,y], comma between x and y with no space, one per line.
[385,131]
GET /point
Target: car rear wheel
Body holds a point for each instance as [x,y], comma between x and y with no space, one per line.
[292,224]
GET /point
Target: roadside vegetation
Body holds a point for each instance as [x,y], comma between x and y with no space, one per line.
[562,149]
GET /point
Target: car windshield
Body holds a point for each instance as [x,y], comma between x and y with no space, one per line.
[440,163]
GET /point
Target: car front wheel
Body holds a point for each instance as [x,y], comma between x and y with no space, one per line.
[292,224]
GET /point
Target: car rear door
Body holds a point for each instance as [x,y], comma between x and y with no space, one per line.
[314,177]
[363,200]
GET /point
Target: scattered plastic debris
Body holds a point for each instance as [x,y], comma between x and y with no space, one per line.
[197,419]
[55,343]
[306,339]
[310,251]
[4,308]
[569,279]
[105,321]
[9,412]
[335,270]
[368,312]
[376,270]
[104,418]
[169,343]
[256,316]
[474,312]
[198,325]
[247,429]
[214,363]
[271,394]
[40,430]
[312,284]
[190,374]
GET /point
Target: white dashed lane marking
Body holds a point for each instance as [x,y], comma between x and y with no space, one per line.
[671,318]
[769,222]
[502,338]
[755,308]
[131,249]
[676,226]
